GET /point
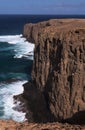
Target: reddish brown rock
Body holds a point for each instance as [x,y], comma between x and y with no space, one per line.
[31,31]
[11,125]
[36,104]
[58,76]
[59,65]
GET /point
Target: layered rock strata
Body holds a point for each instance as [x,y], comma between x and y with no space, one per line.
[59,66]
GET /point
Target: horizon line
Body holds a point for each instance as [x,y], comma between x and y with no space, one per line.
[46,14]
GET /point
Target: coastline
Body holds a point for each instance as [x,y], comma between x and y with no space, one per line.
[15,69]
[55,41]
[39,93]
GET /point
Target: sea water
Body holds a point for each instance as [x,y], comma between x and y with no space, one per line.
[16,57]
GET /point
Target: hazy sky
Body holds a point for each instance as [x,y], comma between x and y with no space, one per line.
[42,6]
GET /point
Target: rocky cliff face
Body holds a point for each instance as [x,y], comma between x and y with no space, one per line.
[59,66]
[31,31]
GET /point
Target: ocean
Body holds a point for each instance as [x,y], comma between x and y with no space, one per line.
[16,58]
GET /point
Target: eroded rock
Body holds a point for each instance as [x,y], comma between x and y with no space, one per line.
[59,64]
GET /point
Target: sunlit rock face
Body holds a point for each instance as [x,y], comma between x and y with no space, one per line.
[59,64]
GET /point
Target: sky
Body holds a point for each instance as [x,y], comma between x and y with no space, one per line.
[42,7]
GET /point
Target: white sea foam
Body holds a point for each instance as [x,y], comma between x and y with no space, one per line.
[22,47]
[12,39]
[7,92]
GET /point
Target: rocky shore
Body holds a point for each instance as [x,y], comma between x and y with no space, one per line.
[56,92]
[11,125]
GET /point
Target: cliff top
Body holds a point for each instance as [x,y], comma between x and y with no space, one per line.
[63,26]
[66,24]
[59,26]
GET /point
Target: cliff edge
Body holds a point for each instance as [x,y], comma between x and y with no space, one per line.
[57,89]
[59,67]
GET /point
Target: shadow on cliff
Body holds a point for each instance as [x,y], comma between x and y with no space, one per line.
[39,109]
[77,119]
[36,105]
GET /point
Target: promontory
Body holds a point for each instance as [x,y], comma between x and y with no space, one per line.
[58,75]
[55,96]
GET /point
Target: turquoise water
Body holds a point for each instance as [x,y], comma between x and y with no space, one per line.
[16,57]
[15,61]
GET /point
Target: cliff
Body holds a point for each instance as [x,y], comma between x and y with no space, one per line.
[57,89]
[31,31]
[59,67]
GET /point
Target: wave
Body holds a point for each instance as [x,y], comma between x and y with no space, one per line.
[12,39]
[21,47]
[7,91]
[12,78]
[24,49]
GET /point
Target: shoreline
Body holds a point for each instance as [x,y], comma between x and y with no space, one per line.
[55,93]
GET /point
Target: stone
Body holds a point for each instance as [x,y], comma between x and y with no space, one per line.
[59,64]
